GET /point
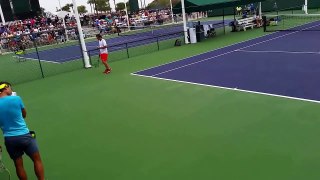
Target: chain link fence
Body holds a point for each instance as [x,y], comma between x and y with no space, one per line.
[40,55]
[33,56]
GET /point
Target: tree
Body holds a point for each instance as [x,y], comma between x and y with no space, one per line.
[115,5]
[42,11]
[103,5]
[120,6]
[66,7]
[82,9]
[128,5]
[92,5]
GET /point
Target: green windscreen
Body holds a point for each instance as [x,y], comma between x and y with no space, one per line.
[134,5]
[21,6]
[292,22]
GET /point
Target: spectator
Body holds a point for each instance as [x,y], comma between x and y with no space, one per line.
[252,9]
[239,9]
[244,14]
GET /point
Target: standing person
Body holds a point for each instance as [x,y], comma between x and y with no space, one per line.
[18,139]
[103,53]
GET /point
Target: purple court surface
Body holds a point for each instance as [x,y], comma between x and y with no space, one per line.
[73,52]
[283,64]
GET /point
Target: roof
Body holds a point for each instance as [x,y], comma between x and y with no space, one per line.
[205,5]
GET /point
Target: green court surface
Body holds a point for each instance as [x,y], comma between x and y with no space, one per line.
[124,127]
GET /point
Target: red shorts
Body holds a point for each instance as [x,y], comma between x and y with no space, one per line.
[104,57]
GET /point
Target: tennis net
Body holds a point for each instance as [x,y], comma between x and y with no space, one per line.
[292,22]
[151,30]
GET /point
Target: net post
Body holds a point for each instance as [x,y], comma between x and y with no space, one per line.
[80,33]
[89,57]
[264,19]
[158,43]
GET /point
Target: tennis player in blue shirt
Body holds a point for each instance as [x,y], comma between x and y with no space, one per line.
[16,134]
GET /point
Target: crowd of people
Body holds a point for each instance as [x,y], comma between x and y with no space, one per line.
[50,29]
[112,22]
[42,30]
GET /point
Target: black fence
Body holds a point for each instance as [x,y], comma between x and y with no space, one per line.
[36,61]
[143,45]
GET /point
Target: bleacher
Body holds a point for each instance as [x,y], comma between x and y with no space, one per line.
[243,24]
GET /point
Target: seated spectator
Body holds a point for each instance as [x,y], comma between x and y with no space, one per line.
[244,14]
[258,20]
[211,33]
[233,25]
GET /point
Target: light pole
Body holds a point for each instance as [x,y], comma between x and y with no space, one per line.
[127,16]
[186,40]
[2,16]
[305,7]
[171,11]
[83,44]
[260,9]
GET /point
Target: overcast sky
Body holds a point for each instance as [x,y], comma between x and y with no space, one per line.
[50,5]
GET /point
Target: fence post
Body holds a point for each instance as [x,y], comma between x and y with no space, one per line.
[158,43]
[223,21]
[40,65]
[264,19]
[127,50]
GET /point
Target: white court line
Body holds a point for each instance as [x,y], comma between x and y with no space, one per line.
[33,59]
[221,87]
[229,52]
[206,52]
[287,52]
[233,89]
[65,60]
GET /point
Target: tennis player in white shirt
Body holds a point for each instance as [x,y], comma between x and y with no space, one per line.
[103,53]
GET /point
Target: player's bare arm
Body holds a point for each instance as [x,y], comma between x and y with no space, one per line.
[24,113]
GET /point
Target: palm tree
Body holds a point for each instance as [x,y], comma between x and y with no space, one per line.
[90,3]
[93,6]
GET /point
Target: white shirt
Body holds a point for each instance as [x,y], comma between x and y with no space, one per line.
[103,43]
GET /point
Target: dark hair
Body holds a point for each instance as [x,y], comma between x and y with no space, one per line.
[98,36]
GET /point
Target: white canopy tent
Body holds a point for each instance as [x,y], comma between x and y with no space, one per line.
[62,14]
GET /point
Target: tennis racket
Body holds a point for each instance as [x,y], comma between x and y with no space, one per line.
[4,172]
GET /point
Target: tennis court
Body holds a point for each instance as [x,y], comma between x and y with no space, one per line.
[284,64]
[148,35]
[124,127]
